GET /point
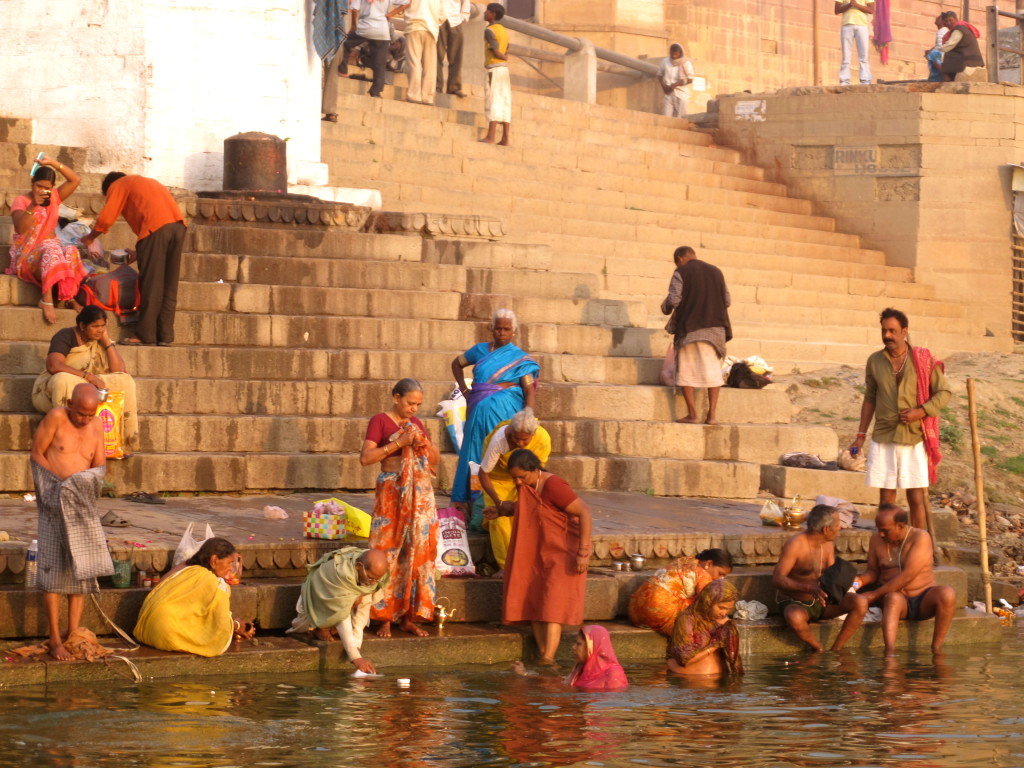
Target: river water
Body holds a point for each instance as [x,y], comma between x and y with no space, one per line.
[798,710]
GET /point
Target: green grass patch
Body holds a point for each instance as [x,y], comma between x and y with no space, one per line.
[1018,400]
[1014,465]
[951,434]
[990,451]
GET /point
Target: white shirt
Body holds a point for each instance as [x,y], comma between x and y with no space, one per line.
[457,11]
[673,70]
[373,18]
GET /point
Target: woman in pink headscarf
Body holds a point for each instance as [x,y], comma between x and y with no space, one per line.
[597,668]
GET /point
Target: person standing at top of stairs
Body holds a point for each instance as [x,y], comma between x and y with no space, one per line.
[855,31]
[498,98]
[423,21]
[449,45]
[371,24]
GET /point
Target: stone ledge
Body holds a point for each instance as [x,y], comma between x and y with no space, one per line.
[436,224]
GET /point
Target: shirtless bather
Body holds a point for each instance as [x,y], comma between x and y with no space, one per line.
[900,572]
[69,440]
[797,579]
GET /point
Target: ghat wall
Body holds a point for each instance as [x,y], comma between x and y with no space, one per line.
[155,86]
[751,45]
[920,174]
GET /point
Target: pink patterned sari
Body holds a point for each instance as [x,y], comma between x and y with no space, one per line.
[38,257]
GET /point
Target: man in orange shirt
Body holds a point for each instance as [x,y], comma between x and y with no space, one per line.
[156,220]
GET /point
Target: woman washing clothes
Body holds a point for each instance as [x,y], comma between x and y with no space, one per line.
[404,523]
[87,353]
[190,609]
[37,256]
[504,382]
[704,640]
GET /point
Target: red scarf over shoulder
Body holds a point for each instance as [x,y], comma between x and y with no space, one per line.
[924,364]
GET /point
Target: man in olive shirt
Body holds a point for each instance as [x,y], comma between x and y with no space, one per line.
[904,444]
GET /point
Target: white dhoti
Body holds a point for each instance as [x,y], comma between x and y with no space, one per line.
[698,365]
[498,99]
[892,465]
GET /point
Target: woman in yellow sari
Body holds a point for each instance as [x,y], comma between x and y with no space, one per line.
[86,353]
[658,601]
[190,609]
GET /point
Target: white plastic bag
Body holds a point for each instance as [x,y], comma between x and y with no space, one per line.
[771,514]
[188,546]
[750,610]
[453,411]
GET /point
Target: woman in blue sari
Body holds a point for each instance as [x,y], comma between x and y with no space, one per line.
[504,382]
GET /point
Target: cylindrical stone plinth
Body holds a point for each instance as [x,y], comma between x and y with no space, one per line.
[255,161]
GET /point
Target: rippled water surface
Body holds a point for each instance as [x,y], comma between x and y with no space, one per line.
[800,710]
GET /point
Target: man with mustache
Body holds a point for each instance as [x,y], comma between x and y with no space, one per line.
[905,388]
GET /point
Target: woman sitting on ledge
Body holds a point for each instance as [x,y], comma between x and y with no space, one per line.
[658,601]
[704,640]
[86,353]
[189,610]
[37,256]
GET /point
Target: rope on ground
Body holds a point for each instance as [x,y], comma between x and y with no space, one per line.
[133,645]
[135,677]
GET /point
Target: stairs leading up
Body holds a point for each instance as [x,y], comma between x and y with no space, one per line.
[294,321]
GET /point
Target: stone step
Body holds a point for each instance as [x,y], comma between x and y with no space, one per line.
[476,601]
[555,400]
[460,644]
[387,365]
[787,482]
[317,331]
[675,179]
[216,433]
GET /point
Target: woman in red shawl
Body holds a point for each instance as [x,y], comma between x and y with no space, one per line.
[546,568]
[597,668]
[704,640]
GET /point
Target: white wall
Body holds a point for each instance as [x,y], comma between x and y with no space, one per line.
[155,86]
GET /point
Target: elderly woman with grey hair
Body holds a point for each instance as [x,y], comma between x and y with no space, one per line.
[504,381]
[500,492]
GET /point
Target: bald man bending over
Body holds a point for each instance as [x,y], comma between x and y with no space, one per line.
[68,466]
[337,594]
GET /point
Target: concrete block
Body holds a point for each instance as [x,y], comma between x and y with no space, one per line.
[787,482]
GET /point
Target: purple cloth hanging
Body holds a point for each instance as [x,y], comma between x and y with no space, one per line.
[883,29]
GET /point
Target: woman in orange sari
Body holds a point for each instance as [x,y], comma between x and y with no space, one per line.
[546,570]
[659,600]
[37,256]
[404,513]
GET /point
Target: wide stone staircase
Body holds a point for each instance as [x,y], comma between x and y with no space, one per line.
[613,192]
[295,319]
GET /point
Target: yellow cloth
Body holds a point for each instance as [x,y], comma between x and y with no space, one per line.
[502,481]
[189,612]
[54,390]
[500,530]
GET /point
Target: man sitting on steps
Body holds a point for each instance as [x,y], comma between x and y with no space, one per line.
[901,578]
[797,577]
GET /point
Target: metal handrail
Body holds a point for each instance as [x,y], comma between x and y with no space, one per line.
[576,44]
[994,48]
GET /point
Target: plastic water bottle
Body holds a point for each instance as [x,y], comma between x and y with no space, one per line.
[32,565]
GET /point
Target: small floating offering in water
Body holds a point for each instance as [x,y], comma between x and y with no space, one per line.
[404,682]
[364,675]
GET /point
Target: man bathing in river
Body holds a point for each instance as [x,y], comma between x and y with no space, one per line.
[68,465]
[797,578]
[900,578]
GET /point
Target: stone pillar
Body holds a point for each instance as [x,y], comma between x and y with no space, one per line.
[473,73]
[580,74]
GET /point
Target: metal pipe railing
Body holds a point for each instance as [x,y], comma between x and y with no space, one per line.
[576,44]
[994,48]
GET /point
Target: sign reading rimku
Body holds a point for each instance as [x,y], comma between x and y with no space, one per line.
[856,159]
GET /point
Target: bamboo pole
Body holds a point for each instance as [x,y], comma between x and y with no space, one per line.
[816,42]
[979,486]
